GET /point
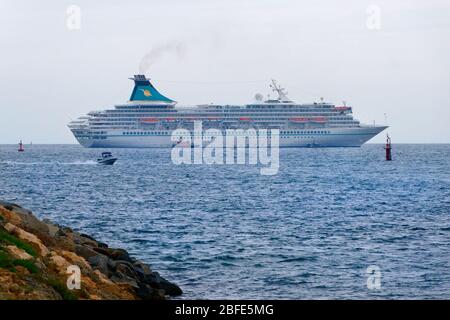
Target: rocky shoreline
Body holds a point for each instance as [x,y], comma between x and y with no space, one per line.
[37,258]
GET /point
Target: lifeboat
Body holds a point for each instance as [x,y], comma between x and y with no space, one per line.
[245,119]
[342,108]
[314,119]
[149,120]
[301,120]
[319,119]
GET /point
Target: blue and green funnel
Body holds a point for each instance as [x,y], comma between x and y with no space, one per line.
[144,91]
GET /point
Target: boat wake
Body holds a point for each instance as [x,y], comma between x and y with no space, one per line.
[80,162]
[87,162]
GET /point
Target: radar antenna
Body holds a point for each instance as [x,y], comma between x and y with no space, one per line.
[282,95]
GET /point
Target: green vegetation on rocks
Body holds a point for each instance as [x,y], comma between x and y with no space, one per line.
[8,262]
[29,265]
[6,238]
[61,288]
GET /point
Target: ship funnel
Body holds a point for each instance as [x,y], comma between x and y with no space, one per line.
[144,91]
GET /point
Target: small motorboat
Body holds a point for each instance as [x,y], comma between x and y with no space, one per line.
[107,158]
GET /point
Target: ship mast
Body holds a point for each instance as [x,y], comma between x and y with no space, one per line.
[282,94]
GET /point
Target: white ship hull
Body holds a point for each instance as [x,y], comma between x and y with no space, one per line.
[334,137]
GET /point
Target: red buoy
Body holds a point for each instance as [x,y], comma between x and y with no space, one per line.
[21,149]
[388,149]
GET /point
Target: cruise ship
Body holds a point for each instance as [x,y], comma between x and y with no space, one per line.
[148,119]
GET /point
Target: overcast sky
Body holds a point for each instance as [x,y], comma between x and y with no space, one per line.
[382,57]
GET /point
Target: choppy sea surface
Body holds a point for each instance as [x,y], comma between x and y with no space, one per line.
[225,231]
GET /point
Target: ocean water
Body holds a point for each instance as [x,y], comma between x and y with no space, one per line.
[225,231]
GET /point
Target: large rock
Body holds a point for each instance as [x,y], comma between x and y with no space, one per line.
[146,292]
[103,278]
[84,240]
[28,221]
[18,253]
[119,254]
[76,259]
[99,262]
[155,280]
[9,216]
[121,278]
[85,252]
[59,263]
[28,237]
[14,207]
[53,229]
[127,268]
[114,254]
[142,269]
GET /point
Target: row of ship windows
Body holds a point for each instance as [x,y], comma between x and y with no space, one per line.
[220,109]
[104,137]
[99,123]
[298,137]
[145,133]
[307,132]
[166,133]
[236,114]
[229,110]
[115,119]
[84,137]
